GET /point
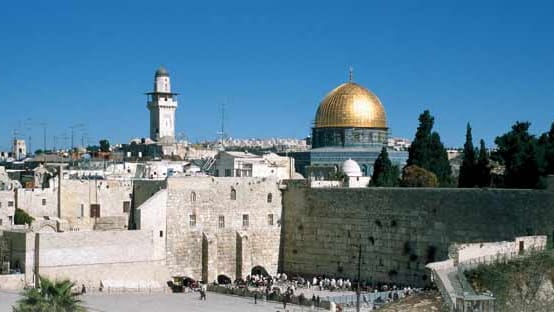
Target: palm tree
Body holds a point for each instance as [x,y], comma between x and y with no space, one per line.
[53,296]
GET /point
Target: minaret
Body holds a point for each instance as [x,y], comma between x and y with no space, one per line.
[162,104]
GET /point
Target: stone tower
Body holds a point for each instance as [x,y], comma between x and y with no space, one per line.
[162,104]
[19,149]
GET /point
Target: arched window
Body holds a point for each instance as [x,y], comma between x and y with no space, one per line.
[233,194]
[192,196]
[269,197]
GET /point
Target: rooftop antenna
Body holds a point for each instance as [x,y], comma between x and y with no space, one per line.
[350,73]
[222,130]
[44,125]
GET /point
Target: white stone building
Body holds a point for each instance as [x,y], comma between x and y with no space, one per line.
[244,164]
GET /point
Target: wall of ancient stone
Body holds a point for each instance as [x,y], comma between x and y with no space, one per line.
[7,210]
[400,229]
[207,230]
[109,194]
[88,257]
[38,202]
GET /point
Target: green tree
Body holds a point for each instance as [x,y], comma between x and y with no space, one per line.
[104,145]
[384,172]
[483,168]
[521,156]
[428,152]
[467,177]
[93,148]
[51,296]
[546,141]
[39,151]
[21,217]
[415,176]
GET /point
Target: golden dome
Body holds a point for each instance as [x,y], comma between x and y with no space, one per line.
[351,105]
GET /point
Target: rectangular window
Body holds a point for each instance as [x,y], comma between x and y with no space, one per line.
[270,219]
[245,221]
[10,203]
[95,210]
[228,172]
[44,201]
[192,220]
[82,210]
[161,233]
[221,223]
[0,221]
[126,206]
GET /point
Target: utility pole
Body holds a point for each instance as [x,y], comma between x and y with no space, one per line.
[359,275]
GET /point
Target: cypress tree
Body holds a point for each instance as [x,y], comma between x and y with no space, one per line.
[428,152]
[547,141]
[384,173]
[483,175]
[467,177]
[418,153]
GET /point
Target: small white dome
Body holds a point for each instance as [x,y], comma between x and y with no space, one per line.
[351,168]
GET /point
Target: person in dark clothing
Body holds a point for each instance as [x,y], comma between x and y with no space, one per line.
[255,298]
[83,290]
[285,298]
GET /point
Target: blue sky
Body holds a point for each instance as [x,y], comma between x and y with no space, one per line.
[89,62]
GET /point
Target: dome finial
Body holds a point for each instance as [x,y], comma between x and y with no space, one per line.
[161,71]
[350,73]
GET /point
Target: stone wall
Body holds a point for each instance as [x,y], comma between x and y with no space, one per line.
[7,208]
[207,233]
[21,245]
[151,215]
[71,200]
[88,257]
[38,202]
[77,196]
[400,229]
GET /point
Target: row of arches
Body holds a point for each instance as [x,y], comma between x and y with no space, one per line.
[223,279]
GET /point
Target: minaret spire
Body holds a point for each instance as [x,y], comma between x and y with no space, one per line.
[350,73]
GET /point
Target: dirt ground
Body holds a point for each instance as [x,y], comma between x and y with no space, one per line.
[423,302]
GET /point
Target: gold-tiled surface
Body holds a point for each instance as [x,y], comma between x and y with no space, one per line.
[351,105]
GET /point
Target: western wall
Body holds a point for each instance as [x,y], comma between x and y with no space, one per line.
[399,229]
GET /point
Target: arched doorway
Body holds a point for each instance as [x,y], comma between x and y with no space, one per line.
[223,279]
[259,270]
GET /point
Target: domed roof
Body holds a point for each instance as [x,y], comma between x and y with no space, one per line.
[351,105]
[162,72]
[351,168]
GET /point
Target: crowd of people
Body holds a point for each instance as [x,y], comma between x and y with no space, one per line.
[285,288]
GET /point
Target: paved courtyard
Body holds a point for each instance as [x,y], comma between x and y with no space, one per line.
[165,302]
